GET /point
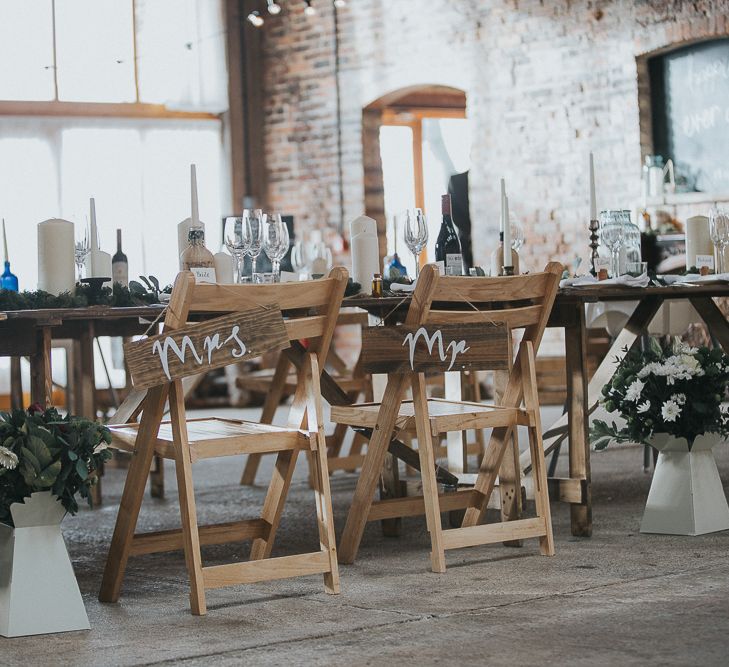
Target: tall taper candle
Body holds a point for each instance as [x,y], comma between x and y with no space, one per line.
[98,262]
[5,243]
[195,216]
[503,203]
[507,234]
[55,256]
[593,202]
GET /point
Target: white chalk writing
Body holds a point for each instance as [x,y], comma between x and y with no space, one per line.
[456,348]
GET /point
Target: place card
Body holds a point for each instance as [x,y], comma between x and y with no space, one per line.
[204,274]
[705,261]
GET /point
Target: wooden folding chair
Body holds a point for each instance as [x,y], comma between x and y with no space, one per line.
[254,325]
[281,381]
[454,323]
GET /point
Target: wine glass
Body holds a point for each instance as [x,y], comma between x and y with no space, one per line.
[719,230]
[237,241]
[276,242]
[299,259]
[82,246]
[254,235]
[517,233]
[612,231]
[320,258]
[416,234]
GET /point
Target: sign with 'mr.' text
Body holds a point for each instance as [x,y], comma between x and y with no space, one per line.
[435,348]
[206,345]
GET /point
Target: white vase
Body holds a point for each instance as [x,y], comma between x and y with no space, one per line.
[38,589]
[686,495]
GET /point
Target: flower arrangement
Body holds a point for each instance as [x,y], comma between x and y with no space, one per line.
[42,451]
[676,390]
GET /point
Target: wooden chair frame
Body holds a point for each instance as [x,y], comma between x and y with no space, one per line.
[305,427]
[279,384]
[521,386]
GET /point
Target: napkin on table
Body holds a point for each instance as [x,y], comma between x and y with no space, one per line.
[625,281]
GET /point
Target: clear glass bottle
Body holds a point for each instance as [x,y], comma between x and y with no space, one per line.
[197,258]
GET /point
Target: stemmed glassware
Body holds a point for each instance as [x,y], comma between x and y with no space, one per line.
[237,241]
[299,259]
[276,242]
[612,231]
[517,234]
[719,230]
[255,224]
[82,246]
[416,234]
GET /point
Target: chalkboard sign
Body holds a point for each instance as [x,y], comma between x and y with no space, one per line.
[690,108]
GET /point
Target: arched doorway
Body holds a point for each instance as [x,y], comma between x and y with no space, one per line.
[414,140]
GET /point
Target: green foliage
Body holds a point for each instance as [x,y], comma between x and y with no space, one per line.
[676,390]
[55,453]
[117,295]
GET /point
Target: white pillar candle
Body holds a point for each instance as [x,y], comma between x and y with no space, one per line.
[698,239]
[507,234]
[593,201]
[55,256]
[223,268]
[98,262]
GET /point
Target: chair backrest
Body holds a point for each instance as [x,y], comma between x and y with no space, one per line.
[459,323]
[249,323]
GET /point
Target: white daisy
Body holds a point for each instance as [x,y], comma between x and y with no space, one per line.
[670,411]
[633,393]
[8,458]
[644,406]
[679,398]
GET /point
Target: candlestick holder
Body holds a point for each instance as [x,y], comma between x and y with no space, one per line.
[507,270]
[594,227]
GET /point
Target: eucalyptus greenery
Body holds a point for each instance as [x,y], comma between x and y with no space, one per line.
[674,389]
[42,451]
[137,294]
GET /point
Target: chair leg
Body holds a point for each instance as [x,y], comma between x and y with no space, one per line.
[186,492]
[273,399]
[427,472]
[539,466]
[327,536]
[273,506]
[132,496]
[369,474]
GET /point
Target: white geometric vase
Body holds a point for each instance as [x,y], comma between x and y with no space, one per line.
[38,589]
[686,496]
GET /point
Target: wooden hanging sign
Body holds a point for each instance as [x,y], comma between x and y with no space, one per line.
[204,346]
[435,348]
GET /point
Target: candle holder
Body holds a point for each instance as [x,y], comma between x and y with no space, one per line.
[96,285]
[507,270]
[594,227]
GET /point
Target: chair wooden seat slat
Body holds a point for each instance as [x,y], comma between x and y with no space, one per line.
[316,306]
[439,327]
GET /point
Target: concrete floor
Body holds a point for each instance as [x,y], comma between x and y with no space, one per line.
[617,598]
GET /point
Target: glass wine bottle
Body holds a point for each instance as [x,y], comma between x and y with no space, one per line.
[197,258]
[448,245]
[119,263]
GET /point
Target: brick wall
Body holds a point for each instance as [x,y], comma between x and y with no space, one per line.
[546,83]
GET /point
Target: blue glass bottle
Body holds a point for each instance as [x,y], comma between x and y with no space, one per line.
[8,280]
[395,268]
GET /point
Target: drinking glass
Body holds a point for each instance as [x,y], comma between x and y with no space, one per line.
[254,233]
[612,231]
[631,238]
[82,246]
[719,230]
[319,258]
[299,260]
[517,233]
[276,242]
[237,241]
[416,234]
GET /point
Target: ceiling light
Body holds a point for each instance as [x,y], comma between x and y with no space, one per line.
[309,10]
[254,18]
[273,7]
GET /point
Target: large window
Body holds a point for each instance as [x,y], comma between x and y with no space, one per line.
[111,99]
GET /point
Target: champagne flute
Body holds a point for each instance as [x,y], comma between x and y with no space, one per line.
[416,234]
[276,242]
[254,233]
[82,246]
[612,230]
[237,241]
[719,230]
